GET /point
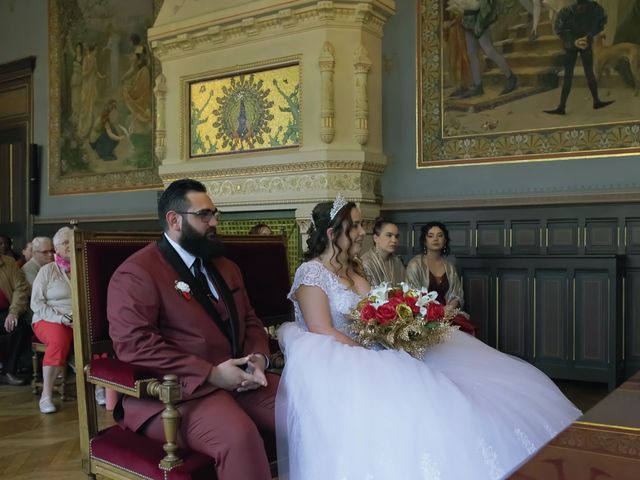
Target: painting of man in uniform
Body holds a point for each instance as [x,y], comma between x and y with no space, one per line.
[535,65]
[105,109]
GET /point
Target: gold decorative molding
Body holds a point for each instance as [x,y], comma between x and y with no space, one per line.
[295,189]
[327,108]
[278,169]
[173,40]
[160,91]
[361,66]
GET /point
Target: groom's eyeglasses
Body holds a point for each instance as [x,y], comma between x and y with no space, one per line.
[205,215]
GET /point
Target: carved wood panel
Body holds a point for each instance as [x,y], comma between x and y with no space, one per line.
[551,324]
[513,310]
[477,284]
[591,320]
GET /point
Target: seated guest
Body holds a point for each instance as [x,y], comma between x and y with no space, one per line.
[6,248]
[260,229]
[43,251]
[27,252]
[51,305]
[380,263]
[432,271]
[14,299]
[178,306]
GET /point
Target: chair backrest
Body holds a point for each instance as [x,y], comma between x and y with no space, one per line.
[262,261]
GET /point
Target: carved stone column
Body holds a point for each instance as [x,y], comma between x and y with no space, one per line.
[361,66]
[326,63]
[160,91]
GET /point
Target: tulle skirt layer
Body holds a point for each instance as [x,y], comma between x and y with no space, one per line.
[466,411]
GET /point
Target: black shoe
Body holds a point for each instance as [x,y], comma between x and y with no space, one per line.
[11,379]
[557,111]
[511,85]
[474,91]
[600,104]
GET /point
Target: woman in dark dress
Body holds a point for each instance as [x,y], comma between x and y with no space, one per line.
[432,271]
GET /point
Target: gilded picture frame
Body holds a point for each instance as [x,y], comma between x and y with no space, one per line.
[250,108]
[522,120]
[101,103]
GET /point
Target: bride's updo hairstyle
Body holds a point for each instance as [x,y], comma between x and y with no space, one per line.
[318,240]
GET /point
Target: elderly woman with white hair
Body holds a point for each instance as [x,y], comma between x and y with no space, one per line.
[51,305]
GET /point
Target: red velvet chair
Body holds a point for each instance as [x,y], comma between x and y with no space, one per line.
[116,452]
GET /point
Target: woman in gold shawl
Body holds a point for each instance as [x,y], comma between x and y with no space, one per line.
[380,263]
[431,270]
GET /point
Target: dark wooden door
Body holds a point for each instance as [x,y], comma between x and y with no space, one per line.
[14,171]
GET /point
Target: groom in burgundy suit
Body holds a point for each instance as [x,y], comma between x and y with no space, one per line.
[178,306]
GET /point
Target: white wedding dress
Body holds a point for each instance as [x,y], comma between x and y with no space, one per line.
[466,411]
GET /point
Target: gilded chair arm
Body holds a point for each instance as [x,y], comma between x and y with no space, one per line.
[169,392]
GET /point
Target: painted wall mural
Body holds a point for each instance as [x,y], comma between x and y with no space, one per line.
[518,80]
[101,102]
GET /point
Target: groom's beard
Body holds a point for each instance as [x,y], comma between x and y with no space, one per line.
[205,246]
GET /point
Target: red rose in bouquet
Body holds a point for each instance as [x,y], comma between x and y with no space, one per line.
[368,312]
[386,313]
[435,311]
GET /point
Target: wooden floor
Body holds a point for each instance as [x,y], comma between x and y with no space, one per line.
[36,446]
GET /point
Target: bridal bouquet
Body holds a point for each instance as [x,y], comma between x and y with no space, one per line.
[399,317]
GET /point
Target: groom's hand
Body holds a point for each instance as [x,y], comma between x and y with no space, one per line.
[229,375]
[255,366]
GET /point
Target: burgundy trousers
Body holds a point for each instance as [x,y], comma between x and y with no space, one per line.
[226,426]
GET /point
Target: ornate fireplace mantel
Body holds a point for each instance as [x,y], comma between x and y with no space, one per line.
[338,47]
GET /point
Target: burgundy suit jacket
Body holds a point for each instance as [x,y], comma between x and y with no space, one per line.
[152,325]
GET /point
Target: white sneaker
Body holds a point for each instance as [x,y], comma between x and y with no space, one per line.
[101,398]
[47,406]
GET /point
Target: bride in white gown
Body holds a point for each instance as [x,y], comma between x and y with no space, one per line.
[343,412]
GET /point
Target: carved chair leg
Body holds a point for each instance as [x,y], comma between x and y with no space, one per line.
[169,393]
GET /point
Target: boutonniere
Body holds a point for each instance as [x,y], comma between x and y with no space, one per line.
[183,289]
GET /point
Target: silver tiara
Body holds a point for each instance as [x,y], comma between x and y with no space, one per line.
[338,203]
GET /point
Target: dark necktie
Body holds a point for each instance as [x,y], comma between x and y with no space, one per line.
[201,278]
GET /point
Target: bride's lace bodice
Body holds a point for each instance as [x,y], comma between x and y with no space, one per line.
[342,300]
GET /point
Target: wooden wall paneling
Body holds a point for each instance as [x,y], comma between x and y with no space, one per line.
[460,234]
[601,236]
[513,311]
[632,318]
[591,320]
[632,236]
[491,237]
[562,237]
[551,327]
[416,248]
[478,292]
[525,237]
[405,246]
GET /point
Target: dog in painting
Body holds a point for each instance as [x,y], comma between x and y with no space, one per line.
[608,57]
